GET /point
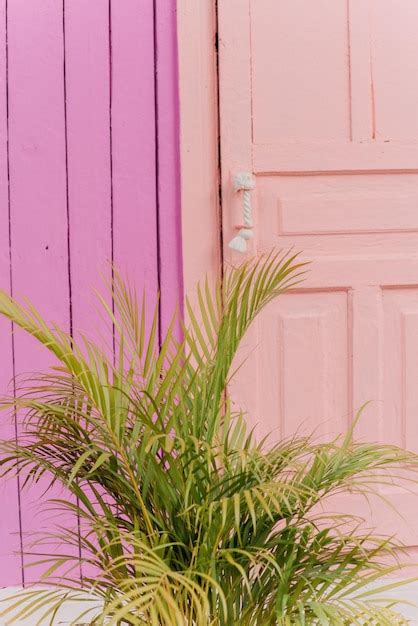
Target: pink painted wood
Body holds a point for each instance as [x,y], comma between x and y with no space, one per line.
[88,130]
[37,193]
[170,256]
[201,240]
[88,158]
[134,132]
[314,102]
[11,571]
[87,113]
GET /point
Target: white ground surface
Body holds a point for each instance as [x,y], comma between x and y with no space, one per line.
[66,616]
[409,593]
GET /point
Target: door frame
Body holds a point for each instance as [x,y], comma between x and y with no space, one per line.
[199,141]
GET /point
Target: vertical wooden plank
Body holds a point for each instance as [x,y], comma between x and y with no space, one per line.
[87,88]
[234,22]
[200,219]
[37,191]
[168,179]
[133,143]
[235,100]
[87,73]
[10,563]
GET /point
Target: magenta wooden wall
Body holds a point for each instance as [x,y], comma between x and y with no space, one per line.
[88,174]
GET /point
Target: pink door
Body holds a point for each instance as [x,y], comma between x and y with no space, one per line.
[319,100]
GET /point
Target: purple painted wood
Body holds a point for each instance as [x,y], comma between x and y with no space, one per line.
[87,119]
[133,143]
[168,181]
[87,83]
[37,195]
[92,100]
[10,570]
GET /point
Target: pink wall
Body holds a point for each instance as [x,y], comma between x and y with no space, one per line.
[88,173]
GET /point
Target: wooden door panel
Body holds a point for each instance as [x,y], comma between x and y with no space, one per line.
[302,343]
[394,53]
[350,204]
[400,353]
[290,99]
[339,215]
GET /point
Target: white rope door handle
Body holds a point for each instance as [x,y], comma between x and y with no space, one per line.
[243,181]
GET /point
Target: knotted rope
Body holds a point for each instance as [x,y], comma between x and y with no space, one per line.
[244,182]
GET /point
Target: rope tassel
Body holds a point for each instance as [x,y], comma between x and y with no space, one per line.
[239,242]
[244,182]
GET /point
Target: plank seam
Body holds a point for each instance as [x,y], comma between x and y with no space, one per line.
[157,169]
[9,209]
[67,198]
[112,221]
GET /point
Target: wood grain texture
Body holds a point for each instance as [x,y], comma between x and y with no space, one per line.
[87,117]
[10,570]
[37,196]
[170,254]
[134,155]
[201,221]
[81,134]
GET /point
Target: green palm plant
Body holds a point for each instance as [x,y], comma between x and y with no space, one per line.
[183,518]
